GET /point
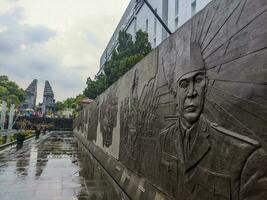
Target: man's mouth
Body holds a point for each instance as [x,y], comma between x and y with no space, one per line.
[191,108]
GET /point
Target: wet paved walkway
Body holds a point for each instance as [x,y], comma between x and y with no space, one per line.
[53,168]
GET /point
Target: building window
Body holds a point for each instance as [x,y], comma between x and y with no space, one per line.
[155,24]
[176,17]
[176,21]
[165,8]
[147,25]
[155,41]
[176,7]
[135,26]
[193,7]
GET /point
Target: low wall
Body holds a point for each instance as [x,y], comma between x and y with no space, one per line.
[207,79]
[59,124]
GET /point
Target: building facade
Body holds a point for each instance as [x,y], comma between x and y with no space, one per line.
[174,13]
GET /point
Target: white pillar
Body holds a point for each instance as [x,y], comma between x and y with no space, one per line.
[11,116]
[3,115]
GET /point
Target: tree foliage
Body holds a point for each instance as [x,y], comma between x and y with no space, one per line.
[123,58]
[59,106]
[95,87]
[11,91]
[71,102]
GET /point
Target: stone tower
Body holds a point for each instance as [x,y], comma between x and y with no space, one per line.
[48,105]
[31,94]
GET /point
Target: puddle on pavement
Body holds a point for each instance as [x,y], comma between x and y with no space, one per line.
[53,168]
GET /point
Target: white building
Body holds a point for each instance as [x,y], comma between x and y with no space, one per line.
[174,13]
[66,113]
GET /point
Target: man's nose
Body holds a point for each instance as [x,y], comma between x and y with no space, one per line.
[191,91]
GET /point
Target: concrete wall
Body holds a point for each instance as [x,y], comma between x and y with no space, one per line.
[129,124]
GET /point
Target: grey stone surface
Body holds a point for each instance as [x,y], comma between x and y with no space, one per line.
[108,117]
[191,117]
[48,105]
[31,95]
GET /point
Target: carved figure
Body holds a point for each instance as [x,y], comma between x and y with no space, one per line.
[137,114]
[108,118]
[128,126]
[201,160]
[93,114]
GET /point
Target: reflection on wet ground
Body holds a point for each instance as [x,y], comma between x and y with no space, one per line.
[54,167]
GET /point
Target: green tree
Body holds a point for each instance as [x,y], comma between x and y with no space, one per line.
[59,106]
[127,63]
[71,102]
[125,44]
[95,87]
[79,97]
[123,58]
[141,45]
[3,91]
[91,89]
[127,54]
[11,91]
[13,99]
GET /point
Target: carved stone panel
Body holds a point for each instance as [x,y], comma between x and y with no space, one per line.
[93,114]
[196,125]
[137,115]
[108,117]
[216,147]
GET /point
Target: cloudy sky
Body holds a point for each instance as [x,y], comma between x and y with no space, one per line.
[56,40]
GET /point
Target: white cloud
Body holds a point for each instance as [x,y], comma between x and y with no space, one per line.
[56,40]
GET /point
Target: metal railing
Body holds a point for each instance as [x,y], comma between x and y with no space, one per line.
[7,132]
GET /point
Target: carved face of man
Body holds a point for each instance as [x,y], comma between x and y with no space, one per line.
[191,89]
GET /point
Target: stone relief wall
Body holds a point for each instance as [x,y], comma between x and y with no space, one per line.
[191,117]
[92,121]
[108,117]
